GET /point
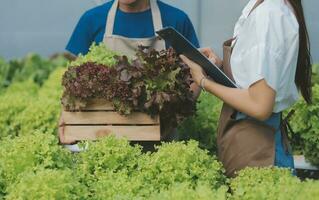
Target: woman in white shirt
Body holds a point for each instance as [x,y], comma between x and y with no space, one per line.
[270,60]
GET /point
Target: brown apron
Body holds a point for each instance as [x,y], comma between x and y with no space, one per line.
[244,142]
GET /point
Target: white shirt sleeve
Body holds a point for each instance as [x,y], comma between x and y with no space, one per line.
[266,57]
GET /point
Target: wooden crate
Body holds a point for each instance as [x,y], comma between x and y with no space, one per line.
[99,119]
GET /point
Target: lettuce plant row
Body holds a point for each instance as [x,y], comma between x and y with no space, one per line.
[34,166]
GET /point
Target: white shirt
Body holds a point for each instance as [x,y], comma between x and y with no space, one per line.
[267,48]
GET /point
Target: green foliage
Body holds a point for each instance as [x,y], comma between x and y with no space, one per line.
[260,183]
[32,67]
[184,191]
[179,162]
[52,88]
[2,184]
[108,154]
[271,184]
[107,169]
[35,68]
[47,184]
[4,66]
[307,190]
[120,185]
[43,112]
[315,74]
[30,152]
[98,54]
[8,71]
[12,103]
[29,108]
[41,115]
[26,87]
[112,169]
[305,123]
[203,126]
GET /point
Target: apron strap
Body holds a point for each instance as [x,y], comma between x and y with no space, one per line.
[111,19]
[255,6]
[156,16]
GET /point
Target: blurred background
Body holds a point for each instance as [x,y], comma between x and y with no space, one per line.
[44,26]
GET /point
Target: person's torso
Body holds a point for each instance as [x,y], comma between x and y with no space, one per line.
[249,30]
[133,25]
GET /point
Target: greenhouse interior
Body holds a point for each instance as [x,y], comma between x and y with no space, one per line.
[159,100]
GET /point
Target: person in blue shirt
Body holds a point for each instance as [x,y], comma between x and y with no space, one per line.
[123,25]
[133,19]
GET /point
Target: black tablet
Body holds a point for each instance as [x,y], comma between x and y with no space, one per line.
[183,46]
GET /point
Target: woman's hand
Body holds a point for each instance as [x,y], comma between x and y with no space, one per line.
[211,55]
[196,70]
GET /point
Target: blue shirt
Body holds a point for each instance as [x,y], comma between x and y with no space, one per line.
[91,27]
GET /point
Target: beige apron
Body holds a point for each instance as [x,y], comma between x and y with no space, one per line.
[128,46]
[246,142]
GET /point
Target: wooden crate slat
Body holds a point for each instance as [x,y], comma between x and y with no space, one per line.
[132,133]
[100,119]
[98,104]
[107,118]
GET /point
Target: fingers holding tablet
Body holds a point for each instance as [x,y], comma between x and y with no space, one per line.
[211,55]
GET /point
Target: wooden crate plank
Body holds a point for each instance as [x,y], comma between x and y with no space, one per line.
[132,133]
[107,118]
[98,104]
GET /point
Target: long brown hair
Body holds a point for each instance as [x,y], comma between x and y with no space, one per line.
[304,71]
